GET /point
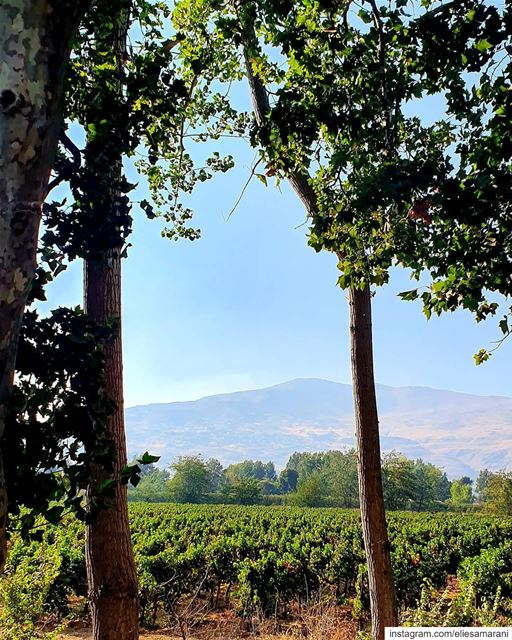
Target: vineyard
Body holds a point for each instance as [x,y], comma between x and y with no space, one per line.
[268,562]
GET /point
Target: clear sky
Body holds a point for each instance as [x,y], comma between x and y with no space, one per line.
[250,305]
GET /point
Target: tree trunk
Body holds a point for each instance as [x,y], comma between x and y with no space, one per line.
[19,224]
[112,578]
[380,576]
[35,37]
[373,517]
[110,565]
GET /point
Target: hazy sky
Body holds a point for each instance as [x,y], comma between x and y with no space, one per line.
[250,305]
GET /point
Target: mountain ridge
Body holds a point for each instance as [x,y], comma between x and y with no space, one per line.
[459,431]
[343,384]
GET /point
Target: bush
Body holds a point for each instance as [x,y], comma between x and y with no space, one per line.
[24,590]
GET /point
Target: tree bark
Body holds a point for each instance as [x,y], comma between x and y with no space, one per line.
[112,577]
[113,593]
[35,38]
[373,517]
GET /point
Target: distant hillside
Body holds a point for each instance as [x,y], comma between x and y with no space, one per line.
[460,432]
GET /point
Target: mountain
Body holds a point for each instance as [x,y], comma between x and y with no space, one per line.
[460,432]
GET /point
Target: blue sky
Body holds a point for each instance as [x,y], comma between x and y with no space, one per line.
[250,305]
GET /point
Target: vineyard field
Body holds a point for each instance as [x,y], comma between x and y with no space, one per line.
[269,561]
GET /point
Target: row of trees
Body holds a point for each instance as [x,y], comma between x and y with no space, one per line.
[68,62]
[331,85]
[321,479]
[195,480]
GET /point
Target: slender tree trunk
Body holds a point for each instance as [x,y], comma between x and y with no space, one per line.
[112,578]
[35,37]
[373,517]
[110,565]
[380,577]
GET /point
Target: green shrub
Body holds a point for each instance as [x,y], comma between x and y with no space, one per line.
[24,590]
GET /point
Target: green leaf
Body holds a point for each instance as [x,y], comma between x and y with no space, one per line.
[409,295]
[482,356]
[365,16]
[148,458]
[148,209]
[262,177]
[54,514]
[503,325]
[483,44]
[106,485]
[62,267]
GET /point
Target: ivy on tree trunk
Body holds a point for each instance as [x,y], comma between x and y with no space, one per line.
[111,573]
[112,578]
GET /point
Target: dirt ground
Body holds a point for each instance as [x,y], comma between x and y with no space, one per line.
[329,624]
[85,635]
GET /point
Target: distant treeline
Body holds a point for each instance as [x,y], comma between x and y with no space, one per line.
[327,479]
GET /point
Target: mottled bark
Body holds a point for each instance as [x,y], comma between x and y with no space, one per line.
[34,50]
[373,517]
[113,593]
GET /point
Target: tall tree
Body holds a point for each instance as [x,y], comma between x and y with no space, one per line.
[340,471]
[497,497]
[461,495]
[35,41]
[431,486]
[286,152]
[399,480]
[371,496]
[122,98]
[332,87]
[310,492]
[482,483]
[191,481]
[113,592]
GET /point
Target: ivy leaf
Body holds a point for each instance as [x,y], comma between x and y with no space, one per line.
[54,514]
[148,209]
[130,474]
[105,486]
[147,458]
[62,267]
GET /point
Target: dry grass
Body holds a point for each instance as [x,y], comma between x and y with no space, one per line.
[315,623]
